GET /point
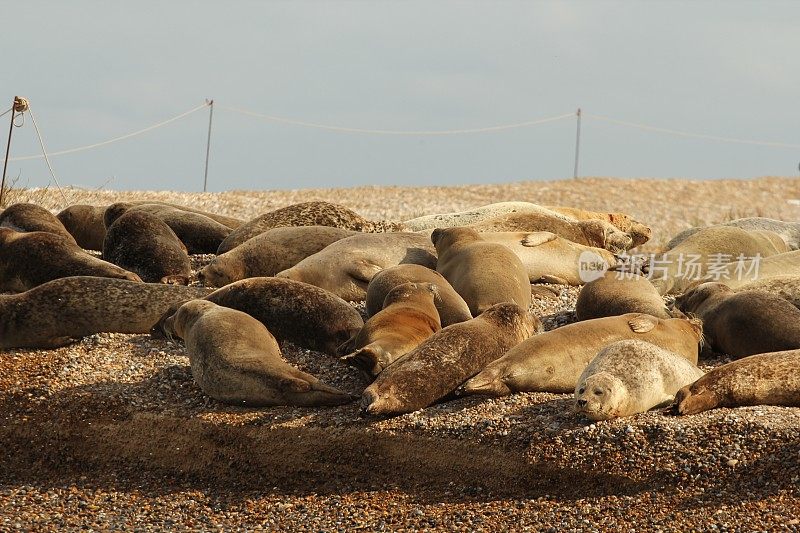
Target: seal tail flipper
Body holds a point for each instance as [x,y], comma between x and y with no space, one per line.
[347,346]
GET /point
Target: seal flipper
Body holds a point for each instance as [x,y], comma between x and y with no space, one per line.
[487,382]
[538,238]
[641,323]
[363,270]
[547,278]
[371,359]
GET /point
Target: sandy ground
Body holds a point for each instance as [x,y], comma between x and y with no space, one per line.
[112,433]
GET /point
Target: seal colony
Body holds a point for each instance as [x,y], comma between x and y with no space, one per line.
[448,301]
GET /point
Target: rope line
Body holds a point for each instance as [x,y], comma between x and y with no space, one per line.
[689,134]
[44,153]
[116,139]
[6,112]
[392,132]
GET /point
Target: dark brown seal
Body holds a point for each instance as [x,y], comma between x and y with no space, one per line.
[617,292]
[297,312]
[306,214]
[144,244]
[408,317]
[271,252]
[762,379]
[56,313]
[483,273]
[452,307]
[31,217]
[30,259]
[743,323]
[441,363]
[236,360]
[85,224]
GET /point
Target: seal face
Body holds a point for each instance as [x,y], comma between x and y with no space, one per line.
[763,379]
[743,323]
[144,244]
[273,251]
[554,360]
[292,311]
[630,377]
[616,293]
[408,317]
[451,307]
[440,364]
[85,224]
[236,360]
[306,214]
[26,217]
[30,259]
[57,312]
[483,273]
[346,267]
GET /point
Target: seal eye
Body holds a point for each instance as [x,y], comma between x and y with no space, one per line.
[581,390]
[598,392]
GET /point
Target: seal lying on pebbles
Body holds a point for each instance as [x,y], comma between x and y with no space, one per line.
[763,379]
[451,306]
[549,258]
[306,214]
[743,323]
[346,267]
[236,360]
[56,313]
[672,272]
[554,360]
[144,244]
[31,217]
[30,259]
[630,377]
[199,233]
[85,223]
[639,232]
[789,231]
[617,293]
[271,252]
[408,317]
[441,363]
[475,215]
[483,273]
[297,312]
[742,271]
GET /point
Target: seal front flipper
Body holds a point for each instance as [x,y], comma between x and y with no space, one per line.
[363,271]
[370,359]
[547,278]
[538,238]
[642,323]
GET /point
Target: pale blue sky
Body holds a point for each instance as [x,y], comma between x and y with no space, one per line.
[96,70]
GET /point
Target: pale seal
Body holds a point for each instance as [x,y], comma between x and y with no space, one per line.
[630,377]
[618,292]
[408,317]
[554,360]
[763,379]
[451,306]
[483,273]
[789,231]
[273,251]
[31,217]
[743,323]
[236,360]
[346,267]
[787,287]
[56,313]
[306,214]
[450,356]
[30,259]
[144,244]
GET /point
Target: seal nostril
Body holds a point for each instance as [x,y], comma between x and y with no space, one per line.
[581,403]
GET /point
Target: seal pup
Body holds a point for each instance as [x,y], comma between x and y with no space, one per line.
[762,379]
[789,231]
[199,233]
[273,251]
[292,311]
[674,271]
[144,244]
[743,323]
[26,217]
[306,214]
[451,306]
[450,355]
[85,224]
[346,267]
[617,292]
[483,273]
[440,364]
[630,377]
[30,259]
[236,360]
[408,317]
[59,312]
[554,360]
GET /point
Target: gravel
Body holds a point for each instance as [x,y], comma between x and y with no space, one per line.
[112,433]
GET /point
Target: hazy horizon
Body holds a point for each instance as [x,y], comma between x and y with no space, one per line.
[94,71]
